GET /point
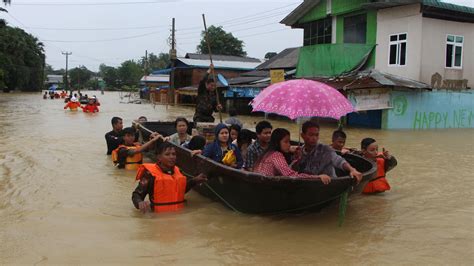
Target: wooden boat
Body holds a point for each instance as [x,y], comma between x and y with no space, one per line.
[249,192]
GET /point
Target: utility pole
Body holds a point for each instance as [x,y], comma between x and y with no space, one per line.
[67,54]
[172,90]
[145,71]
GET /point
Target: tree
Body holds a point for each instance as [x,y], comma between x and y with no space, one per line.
[155,62]
[21,59]
[269,55]
[79,76]
[130,73]
[110,76]
[222,43]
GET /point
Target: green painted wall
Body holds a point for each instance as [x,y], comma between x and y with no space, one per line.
[318,12]
[346,6]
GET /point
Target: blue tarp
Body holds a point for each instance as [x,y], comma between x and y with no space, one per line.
[236,92]
[162,71]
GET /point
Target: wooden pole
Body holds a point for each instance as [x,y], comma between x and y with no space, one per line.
[212,70]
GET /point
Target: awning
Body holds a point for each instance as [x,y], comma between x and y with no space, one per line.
[329,60]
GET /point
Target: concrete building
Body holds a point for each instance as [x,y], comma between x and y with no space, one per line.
[403,63]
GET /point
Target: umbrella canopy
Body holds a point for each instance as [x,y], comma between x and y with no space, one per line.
[302,98]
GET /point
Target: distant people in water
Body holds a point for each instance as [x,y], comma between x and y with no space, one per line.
[73,105]
[275,161]
[385,162]
[45,95]
[90,107]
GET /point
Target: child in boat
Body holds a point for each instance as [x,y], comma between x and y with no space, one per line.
[234,133]
[233,120]
[181,136]
[222,150]
[72,104]
[129,154]
[339,141]
[244,140]
[264,133]
[274,161]
[385,162]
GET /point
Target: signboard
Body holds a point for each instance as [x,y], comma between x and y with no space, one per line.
[370,99]
[277,75]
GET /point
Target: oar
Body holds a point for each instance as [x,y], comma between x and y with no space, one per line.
[212,70]
[148,130]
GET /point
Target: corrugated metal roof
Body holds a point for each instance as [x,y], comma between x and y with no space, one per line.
[156,78]
[218,57]
[299,12]
[219,64]
[287,58]
[448,6]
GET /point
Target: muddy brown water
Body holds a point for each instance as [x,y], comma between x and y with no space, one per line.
[62,202]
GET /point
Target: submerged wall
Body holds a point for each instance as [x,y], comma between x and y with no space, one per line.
[430,110]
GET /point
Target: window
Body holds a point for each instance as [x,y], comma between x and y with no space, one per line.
[454,46]
[397,55]
[355,29]
[318,32]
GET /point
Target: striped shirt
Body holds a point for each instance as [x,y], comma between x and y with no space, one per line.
[253,152]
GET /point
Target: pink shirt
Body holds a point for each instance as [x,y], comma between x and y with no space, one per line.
[274,164]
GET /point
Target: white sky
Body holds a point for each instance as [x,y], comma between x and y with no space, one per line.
[84,30]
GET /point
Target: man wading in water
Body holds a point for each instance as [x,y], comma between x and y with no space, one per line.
[206,101]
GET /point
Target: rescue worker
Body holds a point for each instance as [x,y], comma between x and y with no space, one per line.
[115,137]
[385,162]
[90,107]
[206,101]
[73,104]
[129,154]
[163,182]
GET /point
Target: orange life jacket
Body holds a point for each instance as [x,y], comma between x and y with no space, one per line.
[72,105]
[169,190]
[379,183]
[132,162]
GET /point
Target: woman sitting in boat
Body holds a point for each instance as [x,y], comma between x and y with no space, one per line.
[222,150]
[163,183]
[181,136]
[275,160]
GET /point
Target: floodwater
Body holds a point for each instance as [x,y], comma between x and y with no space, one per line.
[62,201]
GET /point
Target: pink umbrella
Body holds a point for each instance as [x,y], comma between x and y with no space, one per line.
[302,98]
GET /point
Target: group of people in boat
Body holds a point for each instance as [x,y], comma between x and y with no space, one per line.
[268,152]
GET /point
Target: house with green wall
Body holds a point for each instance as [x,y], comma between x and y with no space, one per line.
[395,60]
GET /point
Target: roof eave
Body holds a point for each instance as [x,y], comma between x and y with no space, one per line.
[292,18]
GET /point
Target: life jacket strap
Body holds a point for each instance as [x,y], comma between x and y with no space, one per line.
[168,203]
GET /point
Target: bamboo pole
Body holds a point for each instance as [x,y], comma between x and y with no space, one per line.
[212,69]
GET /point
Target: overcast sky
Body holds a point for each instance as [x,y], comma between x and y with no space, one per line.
[112,31]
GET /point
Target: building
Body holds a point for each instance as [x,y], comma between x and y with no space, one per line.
[404,64]
[190,69]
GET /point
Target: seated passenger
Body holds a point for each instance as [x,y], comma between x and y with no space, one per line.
[222,150]
[385,162]
[317,158]
[234,133]
[264,133]
[244,140]
[196,144]
[274,161]
[339,141]
[181,136]
[163,183]
[129,154]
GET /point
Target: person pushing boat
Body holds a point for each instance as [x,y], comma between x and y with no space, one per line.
[73,104]
[163,182]
[206,101]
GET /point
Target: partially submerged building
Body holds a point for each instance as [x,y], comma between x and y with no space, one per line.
[404,64]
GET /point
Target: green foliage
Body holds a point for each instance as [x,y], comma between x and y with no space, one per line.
[130,73]
[79,76]
[110,76]
[155,62]
[21,59]
[222,43]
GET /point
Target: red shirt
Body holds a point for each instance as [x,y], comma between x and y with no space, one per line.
[90,109]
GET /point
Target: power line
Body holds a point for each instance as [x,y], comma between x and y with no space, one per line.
[98,29]
[105,40]
[91,4]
